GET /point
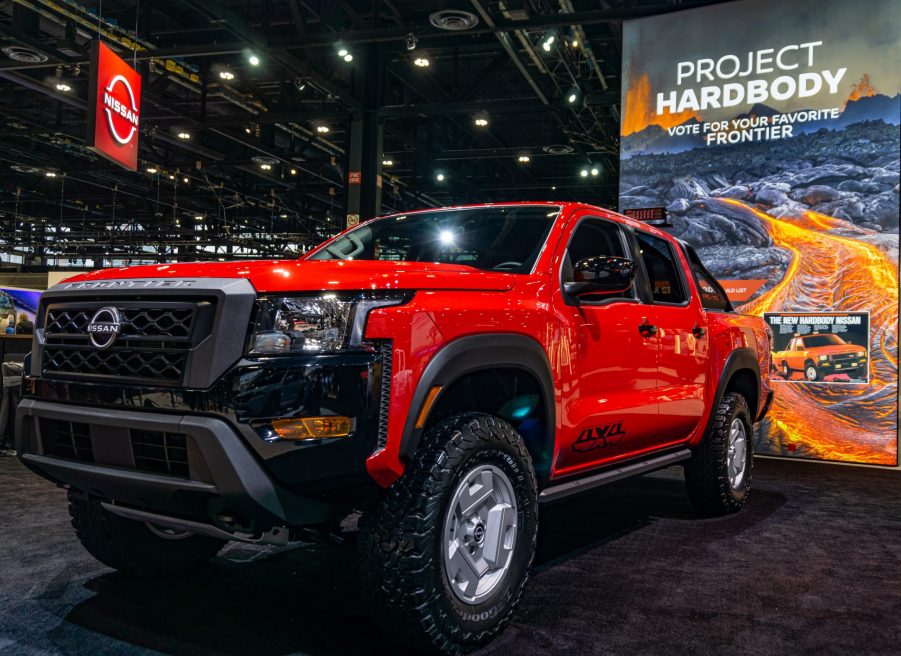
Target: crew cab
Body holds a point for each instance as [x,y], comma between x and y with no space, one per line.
[438,373]
[820,355]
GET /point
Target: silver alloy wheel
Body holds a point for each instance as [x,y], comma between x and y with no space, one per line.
[479,533]
[167,533]
[811,372]
[737,453]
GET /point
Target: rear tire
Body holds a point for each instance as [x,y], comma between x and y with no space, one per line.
[718,476]
[446,554]
[135,548]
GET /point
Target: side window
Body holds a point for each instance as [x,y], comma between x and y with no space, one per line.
[662,268]
[712,297]
[592,238]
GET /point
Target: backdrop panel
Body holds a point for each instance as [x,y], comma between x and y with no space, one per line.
[770,132]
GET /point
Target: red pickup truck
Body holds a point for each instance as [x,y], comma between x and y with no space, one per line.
[439,374]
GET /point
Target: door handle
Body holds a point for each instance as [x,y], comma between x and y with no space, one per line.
[646,329]
[698,331]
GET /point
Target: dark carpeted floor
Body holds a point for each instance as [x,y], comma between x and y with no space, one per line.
[811,566]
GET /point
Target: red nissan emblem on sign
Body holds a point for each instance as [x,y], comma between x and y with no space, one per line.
[115,108]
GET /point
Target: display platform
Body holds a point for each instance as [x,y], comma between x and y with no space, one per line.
[810,566]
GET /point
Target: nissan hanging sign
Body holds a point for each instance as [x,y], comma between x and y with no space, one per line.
[114,107]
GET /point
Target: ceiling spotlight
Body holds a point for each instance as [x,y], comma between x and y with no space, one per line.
[226,75]
[348,58]
[387,162]
[439,177]
[283,216]
[300,83]
[266,167]
[342,52]
[572,96]
[548,42]
[594,170]
[50,174]
[584,173]
[422,62]
[293,171]
[185,180]
[254,60]
[574,43]
[151,169]
[184,135]
[481,122]
[524,159]
[247,130]
[411,41]
[171,177]
[62,86]
[322,129]
[198,217]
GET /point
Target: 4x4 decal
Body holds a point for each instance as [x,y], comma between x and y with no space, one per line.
[599,437]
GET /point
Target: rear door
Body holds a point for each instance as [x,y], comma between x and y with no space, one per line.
[609,407]
[680,325]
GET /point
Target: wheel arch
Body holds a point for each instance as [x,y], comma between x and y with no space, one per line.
[741,374]
[466,368]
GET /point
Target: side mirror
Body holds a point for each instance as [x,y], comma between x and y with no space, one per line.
[601,275]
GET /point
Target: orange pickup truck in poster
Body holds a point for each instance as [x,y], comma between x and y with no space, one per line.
[820,347]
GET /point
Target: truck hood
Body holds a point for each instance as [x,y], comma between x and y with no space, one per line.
[837,349]
[272,276]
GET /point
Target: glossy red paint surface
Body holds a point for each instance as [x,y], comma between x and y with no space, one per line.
[658,388]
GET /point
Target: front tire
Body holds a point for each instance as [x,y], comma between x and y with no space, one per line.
[811,373]
[446,554]
[136,548]
[718,477]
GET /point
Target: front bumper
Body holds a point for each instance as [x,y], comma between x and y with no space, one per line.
[200,454]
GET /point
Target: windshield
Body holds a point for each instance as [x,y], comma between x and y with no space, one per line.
[490,238]
[823,340]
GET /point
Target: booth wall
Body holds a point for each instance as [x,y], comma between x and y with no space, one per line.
[770,131]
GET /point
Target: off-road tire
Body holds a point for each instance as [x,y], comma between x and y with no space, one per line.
[130,547]
[400,543]
[707,475]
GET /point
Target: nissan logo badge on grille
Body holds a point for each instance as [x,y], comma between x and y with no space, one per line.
[104,327]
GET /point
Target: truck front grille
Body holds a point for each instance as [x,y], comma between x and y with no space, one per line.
[153,344]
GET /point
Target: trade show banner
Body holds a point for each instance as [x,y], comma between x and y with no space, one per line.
[769,131]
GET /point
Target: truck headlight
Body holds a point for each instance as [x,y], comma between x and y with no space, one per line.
[313,324]
[824,358]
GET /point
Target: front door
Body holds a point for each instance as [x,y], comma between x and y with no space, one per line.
[608,404]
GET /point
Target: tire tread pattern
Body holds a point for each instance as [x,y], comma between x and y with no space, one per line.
[706,475]
[399,561]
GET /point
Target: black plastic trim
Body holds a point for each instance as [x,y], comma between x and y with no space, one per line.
[742,358]
[475,353]
[613,474]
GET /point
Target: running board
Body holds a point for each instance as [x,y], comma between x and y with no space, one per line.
[277,536]
[563,490]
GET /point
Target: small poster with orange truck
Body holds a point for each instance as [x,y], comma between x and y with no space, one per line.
[820,347]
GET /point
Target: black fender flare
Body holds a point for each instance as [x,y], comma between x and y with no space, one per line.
[742,358]
[474,353]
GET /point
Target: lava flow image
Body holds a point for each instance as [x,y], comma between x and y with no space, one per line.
[775,152]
